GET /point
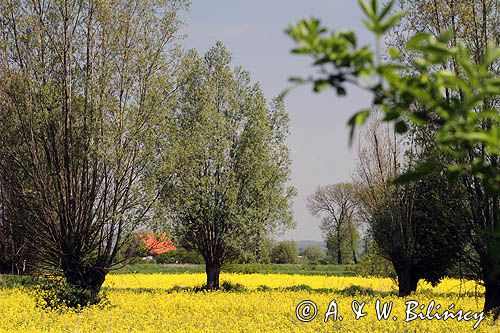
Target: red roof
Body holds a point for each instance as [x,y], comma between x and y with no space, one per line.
[157,244]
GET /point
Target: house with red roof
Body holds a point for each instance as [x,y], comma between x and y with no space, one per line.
[157,244]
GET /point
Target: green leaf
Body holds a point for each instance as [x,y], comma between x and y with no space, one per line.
[418,118]
[366,8]
[297,80]
[393,53]
[451,80]
[320,85]
[386,9]
[478,137]
[445,37]
[370,25]
[374,5]
[391,115]
[359,118]
[390,22]
[350,36]
[453,172]
[436,49]
[401,127]
[492,54]
[301,50]
[489,114]
[417,40]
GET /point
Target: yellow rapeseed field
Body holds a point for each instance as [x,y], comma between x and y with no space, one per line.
[142,303]
[253,281]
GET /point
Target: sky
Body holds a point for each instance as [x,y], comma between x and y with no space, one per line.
[253,31]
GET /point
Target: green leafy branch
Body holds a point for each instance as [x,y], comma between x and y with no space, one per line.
[455,103]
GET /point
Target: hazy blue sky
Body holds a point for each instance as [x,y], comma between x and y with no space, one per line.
[253,32]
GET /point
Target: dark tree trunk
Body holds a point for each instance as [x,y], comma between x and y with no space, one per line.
[491,278]
[407,281]
[85,284]
[339,252]
[492,296]
[354,256]
[213,271]
[5,268]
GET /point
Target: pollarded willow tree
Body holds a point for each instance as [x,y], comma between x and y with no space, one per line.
[420,227]
[474,24]
[229,187]
[84,91]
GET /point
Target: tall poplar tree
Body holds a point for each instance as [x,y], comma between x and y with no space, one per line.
[229,187]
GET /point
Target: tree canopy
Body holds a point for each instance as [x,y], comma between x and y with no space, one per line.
[229,187]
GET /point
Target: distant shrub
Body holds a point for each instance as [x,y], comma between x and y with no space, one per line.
[233,287]
[372,264]
[178,289]
[13,281]
[299,287]
[200,288]
[314,254]
[263,287]
[180,256]
[285,252]
[357,290]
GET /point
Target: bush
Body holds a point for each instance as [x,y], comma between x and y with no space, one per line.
[233,287]
[54,293]
[357,290]
[265,288]
[225,286]
[285,253]
[314,254]
[180,256]
[299,287]
[372,264]
[178,289]
[14,281]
